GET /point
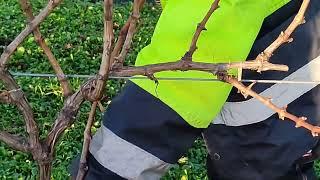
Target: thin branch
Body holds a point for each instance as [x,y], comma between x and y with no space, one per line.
[284,37]
[24,107]
[282,112]
[15,142]
[43,151]
[83,167]
[66,88]
[122,37]
[32,25]
[102,109]
[108,37]
[200,27]
[190,65]
[137,6]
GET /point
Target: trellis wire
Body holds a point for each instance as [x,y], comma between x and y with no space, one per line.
[40,75]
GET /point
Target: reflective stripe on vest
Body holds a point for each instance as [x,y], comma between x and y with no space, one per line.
[253,111]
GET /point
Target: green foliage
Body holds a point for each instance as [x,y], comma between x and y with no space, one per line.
[192,166]
[74,32]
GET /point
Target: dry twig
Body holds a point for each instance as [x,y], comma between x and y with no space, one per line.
[31,26]
[107,45]
[284,37]
[122,37]
[43,151]
[201,27]
[119,60]
[198,66]
[282,112]
[66,88]
[83,167]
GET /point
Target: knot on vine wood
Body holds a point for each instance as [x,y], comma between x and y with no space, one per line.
[184,63]
[300,122]
[5,97]
[315,131]
[84,167]
[188,55]
[101,77]
[92,90]
[201,27]
[55,2]
[263,63]
[12,96]
[117,64]
[88,89]
[286,37]
[42,157]
[44,161]
[16,95]
[150,76]
[222,76]
[135,16]
[69,113]
[38,39]
[31,24]
[244,92]
[282,113]
[290,40]
[263,57]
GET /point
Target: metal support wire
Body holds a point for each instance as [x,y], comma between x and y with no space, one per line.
[20,74]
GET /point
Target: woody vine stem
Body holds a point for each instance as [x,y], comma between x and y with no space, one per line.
[114,54]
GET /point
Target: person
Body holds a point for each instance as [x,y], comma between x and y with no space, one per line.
[148,127]
[249,141]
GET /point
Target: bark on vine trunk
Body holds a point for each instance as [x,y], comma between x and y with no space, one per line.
[45,170]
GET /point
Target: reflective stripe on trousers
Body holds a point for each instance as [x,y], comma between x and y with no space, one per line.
[253,111]
[124,158]
[140,147]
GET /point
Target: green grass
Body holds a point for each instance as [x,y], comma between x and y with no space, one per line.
[79,25]
[74,32]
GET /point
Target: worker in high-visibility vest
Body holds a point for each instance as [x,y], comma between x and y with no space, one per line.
[148,127]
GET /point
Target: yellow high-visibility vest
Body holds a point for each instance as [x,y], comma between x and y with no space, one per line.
[230,33]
